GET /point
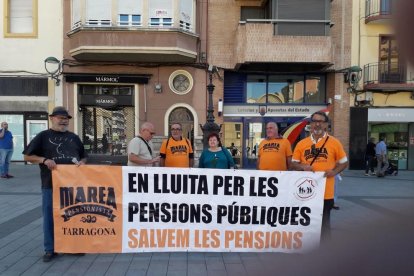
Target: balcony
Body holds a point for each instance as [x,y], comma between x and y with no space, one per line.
[256,42]
[132,44]
[383,76]
[378,11]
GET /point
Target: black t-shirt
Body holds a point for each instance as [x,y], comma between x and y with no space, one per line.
[370,151]
[62,147]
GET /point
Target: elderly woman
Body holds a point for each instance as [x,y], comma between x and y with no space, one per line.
[216,156]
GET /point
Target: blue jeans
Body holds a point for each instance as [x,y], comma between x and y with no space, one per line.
[47,209]
[5,157]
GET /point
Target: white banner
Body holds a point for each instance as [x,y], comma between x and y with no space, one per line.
[172,209]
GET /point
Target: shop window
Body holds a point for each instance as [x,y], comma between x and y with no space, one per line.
[285,89]
[396,136]
[20,18]
[256,89]
[106,90]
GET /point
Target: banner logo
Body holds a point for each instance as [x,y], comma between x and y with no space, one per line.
[305,188]
[87,201]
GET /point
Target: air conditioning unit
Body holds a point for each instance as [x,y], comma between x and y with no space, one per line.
[365,97]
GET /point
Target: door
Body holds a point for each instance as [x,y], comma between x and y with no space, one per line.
[390,67]
[33,128]
[254,133]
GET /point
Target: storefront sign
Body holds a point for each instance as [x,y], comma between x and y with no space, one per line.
[106,101]
[141,79]
[401,115]
[271,110]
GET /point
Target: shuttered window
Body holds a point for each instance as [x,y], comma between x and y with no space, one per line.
[302,10]
[21,18]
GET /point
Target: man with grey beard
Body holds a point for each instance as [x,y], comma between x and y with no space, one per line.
[50,147]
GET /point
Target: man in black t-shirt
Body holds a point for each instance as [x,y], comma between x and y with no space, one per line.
[50,147]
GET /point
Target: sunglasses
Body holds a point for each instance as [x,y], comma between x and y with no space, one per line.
[176,129]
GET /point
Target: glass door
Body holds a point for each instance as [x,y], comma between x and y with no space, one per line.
[33,128]
[254,133]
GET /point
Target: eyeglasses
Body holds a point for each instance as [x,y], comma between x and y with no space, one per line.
[176,129]
[318,121]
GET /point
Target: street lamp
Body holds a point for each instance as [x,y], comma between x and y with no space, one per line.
[54,67]
[210,126]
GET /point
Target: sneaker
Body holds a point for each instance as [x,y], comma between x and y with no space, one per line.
[4,176]
[373,173]
[49,256]
[9,176]
[366,174]
[336,207]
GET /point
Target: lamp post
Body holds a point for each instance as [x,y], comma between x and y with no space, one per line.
[210,126]
[54,67]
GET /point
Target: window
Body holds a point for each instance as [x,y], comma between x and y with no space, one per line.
[281,89]
[256,89]
[76,14]
[186,14]
[98,13]
[160,22]
[130,13]
[160,13]
[106,90]
[21,18]
[301,10]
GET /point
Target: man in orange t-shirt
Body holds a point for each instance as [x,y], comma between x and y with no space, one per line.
[275,152]
[176,151]
[329,156]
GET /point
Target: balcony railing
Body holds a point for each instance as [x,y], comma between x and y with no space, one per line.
[377,9]
[384,73]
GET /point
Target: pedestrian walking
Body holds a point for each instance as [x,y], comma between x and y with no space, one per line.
[381,154]
[370,157]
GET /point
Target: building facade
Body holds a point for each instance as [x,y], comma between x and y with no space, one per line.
[130,61]
[382,100]
[30,33]
[279,60]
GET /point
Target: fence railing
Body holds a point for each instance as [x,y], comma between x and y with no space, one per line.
[384,72]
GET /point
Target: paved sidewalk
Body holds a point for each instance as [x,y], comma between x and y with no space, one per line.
[365,201]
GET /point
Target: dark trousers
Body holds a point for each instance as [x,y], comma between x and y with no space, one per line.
[326,220]
[369,164]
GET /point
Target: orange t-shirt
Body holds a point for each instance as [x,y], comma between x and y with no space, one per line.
[177,154]
[273,154]
[331,153]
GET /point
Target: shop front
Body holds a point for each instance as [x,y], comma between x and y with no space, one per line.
[245,127]
[107,117]
[251,100]
[395,125]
